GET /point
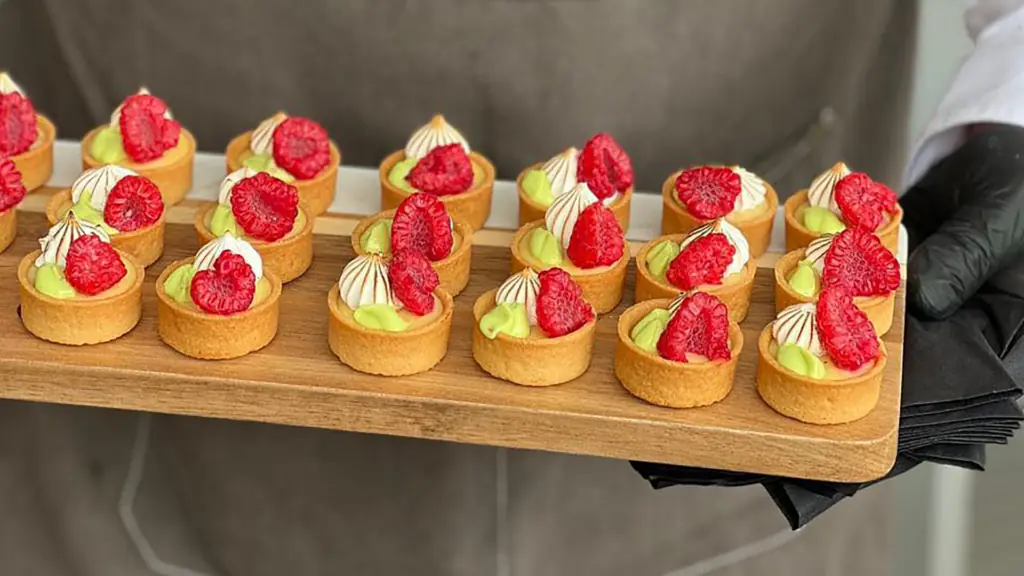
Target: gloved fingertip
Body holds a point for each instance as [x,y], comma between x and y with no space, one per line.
[923,301]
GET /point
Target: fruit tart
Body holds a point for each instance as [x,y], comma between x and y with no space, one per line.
[698,195]
[389,318]
[128,207]
[679,353]
[580,235]
[77,289]
[293,149]
[840,199]
[854,260]
[603,165]
[713,258]
[265,212]
[535,329]
[421,222]
[221,304]
[437,160]
[12,192]
[144,137]
[25,136]
[821,362]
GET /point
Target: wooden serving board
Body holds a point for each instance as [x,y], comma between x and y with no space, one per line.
[298,381]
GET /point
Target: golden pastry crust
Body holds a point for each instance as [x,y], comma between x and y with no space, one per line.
[145,245]
[879,309]
[530,211]
[758,231]
[472,206]
[172,177]
[602,290]
[288,258]
[36,164]
[388,353]
[8,227]
[315,194]
[798,236]
[80,322]
[816,401]
[664,382]
[539,362]
[452,272]
[205,336]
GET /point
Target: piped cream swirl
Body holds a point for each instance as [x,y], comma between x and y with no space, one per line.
[437,132]
[821,194]
[208,254]
[115,116]
[521,288]
[364,282]
[798,325]
[561,171]
[229,182]
[816,251]
[8,85]
[262,140]
[752,190]
[54,246]
[560,218]
[732,234]
[99,182]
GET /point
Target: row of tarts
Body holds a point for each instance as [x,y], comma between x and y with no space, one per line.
[821,360]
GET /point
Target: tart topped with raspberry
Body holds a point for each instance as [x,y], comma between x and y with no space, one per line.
[12,192]
[26,137]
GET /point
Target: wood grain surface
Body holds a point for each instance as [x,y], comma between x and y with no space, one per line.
[298,381]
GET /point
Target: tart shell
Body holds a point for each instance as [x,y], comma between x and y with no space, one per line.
[145,245]
[8,227]
[174,179]
[798,236]
[530,211]
[36,164]
[472,206]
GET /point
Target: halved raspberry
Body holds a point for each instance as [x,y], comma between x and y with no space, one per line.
[561,308]
[708,192]
[12,190]
[846,333]
[862,201]
[858,263]
[700,326]
[18,129]
[596,239]
[92,265]
[227,288]
[132,204]
[145,133]
[301,147]
[413,280]
[443,171]
[264,206]
[703,261]
[422,224]
[604,166]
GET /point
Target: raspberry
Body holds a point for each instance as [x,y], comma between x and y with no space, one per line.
[18,129]
[12,190]
[421,223]
[413,280]
[301,147]
[858,263]
[703,261]
[227,288]
[92,265]
[862,201]
[264,206]
[145,132]
[845,331]
[604,166]
[596,238]
[699,326]
[708,192]
[445,170]
[561,308]
[132,204]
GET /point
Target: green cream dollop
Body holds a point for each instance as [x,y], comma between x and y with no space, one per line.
[648,330]
[106,146]
[506,318]
[223,221]
[400,171]
[179,284]
[804,280]
[377,238]
[84,211]
[822,221]
[537,187]
[544,247]
[380,317]
[50,281]
[660,256]
[265,163]
[801,361]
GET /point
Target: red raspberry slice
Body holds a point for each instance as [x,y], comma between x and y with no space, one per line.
[862,201]
[421,223]
[604,166]
[845,331]
[18,129]
[225,289]
[561,308]
[301,147]
[145,133]
[445,170]
[133,203]
[700,326]
[265,207]
[596,239]
[703,261]
[708,192]
[413,280]
[858,263]
[12,189]
[92,265]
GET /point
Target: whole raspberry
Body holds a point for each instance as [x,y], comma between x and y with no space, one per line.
[596,239]
[145,132]
[413,280]
[225,289]
[846,333]
[863,202]
[700,326]
[92,265]
[133,203]
[561,308]
[708,192]
[443,171]
[421,223]
[703,261]
[301,147]
[18,128]
[604,166]
[12,190]
[858,263]
[265,207]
